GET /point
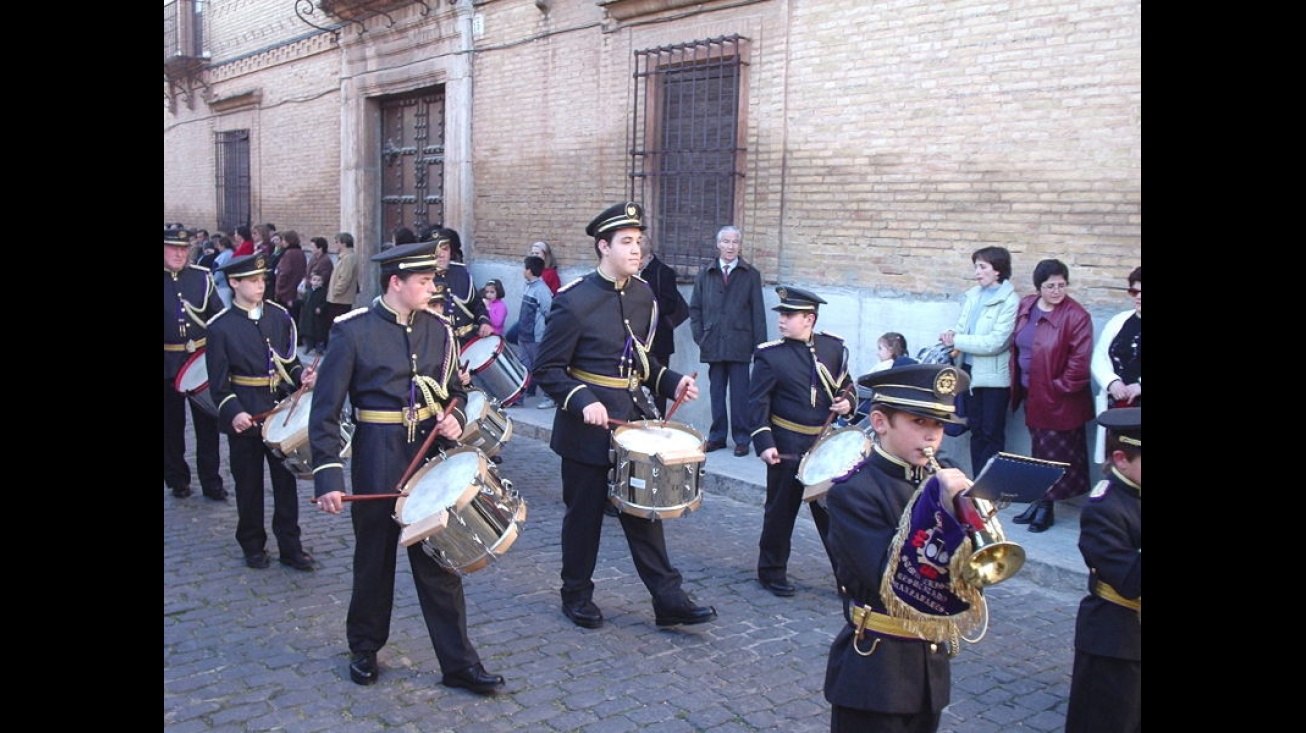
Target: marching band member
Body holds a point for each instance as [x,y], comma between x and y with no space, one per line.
[253,363]
[397,363]
[463,304]
[1106,686]
[593,362]
[797,381]
[892,537]
[190,299]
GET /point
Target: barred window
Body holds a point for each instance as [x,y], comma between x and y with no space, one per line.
[233,181]
[686,150]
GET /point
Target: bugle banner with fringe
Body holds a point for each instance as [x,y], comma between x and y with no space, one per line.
[923,584]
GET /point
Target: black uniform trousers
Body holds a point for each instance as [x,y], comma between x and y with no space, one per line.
[784,498]
[585,493]
[176,472]
[851,720]
[376,544]
[1106,695]
[248,454]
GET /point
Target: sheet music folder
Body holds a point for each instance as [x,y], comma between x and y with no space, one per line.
[1013,479]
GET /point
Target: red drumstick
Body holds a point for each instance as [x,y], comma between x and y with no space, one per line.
[363,497]
[676,405]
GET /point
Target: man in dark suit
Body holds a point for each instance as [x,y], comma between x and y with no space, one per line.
[728,320]
[662,279]
[396,363]
[797,381]
[594,361]
[190,299]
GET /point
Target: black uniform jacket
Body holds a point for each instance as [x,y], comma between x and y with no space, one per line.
[463,305]
[241,347]
[369,360]
[590,328]
[902,675]
[190,299]
[1111,542]
[782,383]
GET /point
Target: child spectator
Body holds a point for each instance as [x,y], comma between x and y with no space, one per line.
[497,309]
[536,301]
[313,323]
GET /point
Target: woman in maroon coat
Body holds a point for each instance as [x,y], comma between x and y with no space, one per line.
[1050,368]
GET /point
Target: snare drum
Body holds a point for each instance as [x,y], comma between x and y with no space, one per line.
[488,426]
[460,510]
[496,369]
[832,457]
[656,469]
[193,381]
[285,432]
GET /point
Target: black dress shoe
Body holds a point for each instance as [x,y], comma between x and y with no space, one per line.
[258,560]
[782,588]
[219,495]
[362,668]
[474,678]
[1042,517]
[584,614]
[298,560]
[741,450]
[687,615]
[181,492]
[714,445]
[1026,516]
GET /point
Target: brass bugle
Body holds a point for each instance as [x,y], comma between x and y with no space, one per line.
[994,558]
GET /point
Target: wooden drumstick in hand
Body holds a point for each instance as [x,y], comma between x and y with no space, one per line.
[363,497]
[295,399]
[679,400]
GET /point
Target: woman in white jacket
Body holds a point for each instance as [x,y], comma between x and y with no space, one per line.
[982,337]
[1118,359]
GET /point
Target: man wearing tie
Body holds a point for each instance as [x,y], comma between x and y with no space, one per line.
[728,321]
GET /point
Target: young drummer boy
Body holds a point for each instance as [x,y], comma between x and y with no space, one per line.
[253,363]
[1106,685]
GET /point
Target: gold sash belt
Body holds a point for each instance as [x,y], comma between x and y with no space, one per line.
[254,381]
[1107,593]
[599,380]
[880,623]
[390,417]
[796,427]
[190,346]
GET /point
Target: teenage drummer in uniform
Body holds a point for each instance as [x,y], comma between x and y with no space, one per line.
[797,381]
[253,364]
[463,305]
[593,362]
[190,299]
[1106,686]
[397,364]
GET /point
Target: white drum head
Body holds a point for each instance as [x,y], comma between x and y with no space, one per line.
[651,440]
[440,485]
[285,423]
[480,352]
[834,456]
[476,404]
[194,374]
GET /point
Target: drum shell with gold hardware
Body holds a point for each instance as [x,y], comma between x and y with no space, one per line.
[460,510]
[657,469]
[285,433]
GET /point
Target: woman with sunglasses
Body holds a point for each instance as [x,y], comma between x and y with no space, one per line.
[1050,373]
[1118,359]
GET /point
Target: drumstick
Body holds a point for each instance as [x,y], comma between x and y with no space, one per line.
[363,497]
[676,405]
[846,393]
[615,421]
[295,399]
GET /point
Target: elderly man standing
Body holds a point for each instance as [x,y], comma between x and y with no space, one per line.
[728,321]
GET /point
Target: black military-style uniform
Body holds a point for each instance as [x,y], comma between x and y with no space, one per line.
[463,305]
[253,364]
[385,366]
[1106,686]
[792,387]
[595,350]
[902,676]
[190,299]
